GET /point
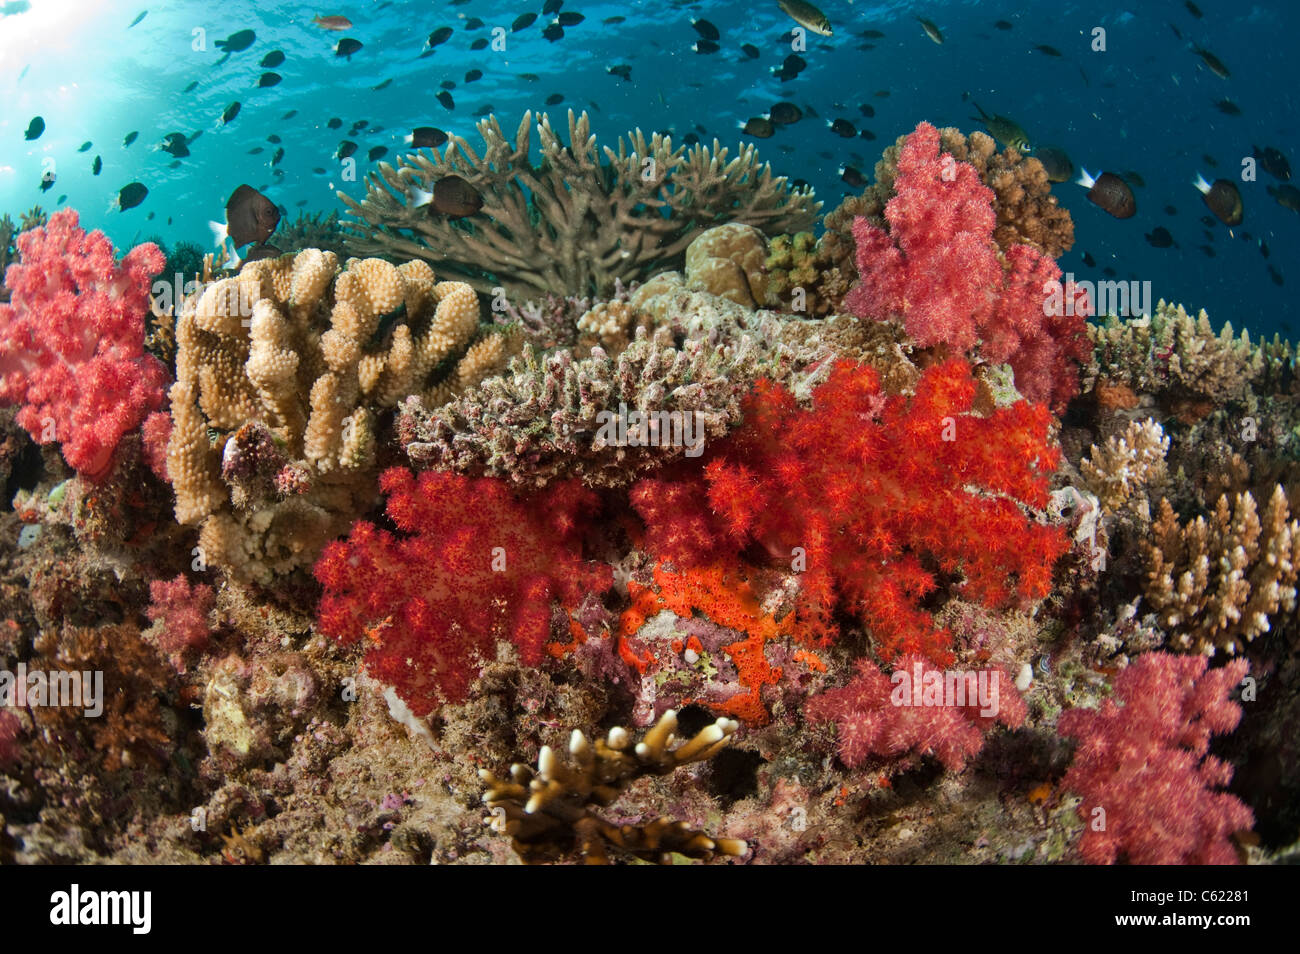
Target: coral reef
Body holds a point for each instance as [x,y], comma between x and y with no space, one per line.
[938,268]
[282,372]
[572,225]
[72,341]
[1150,789]
[1124,471]
[1217,584]
[320,230]
[547,811]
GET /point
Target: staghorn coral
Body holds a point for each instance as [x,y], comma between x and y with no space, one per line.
[1215,584]
[572,225]
[938,268]
[72,341]
[547,812]
[282,372]
[1129,466]
[1173,355]
[1151,792]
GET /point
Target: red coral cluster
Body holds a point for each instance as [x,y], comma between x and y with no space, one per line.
[183,609]
[1150,790]
[917,711]
[938,268]
[876,501]
[472,563]
[72,341]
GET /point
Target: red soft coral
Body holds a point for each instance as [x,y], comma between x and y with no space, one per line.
[938,268]
[885,497]
[472,563]
[1150,790]
[183,609]
[909,713]
[72,341]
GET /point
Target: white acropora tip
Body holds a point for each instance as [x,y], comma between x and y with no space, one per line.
[1086,179]
[1201,184]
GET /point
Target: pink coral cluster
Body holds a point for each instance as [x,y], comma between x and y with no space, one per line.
[72,341]
[917,711]
[183,609]
[473,563]
[1150,790]
[938,268]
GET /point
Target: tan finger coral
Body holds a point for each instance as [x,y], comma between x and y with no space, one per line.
[1122,470]
[1216,584]
[282,371]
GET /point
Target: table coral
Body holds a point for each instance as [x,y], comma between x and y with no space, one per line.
[898,510]
[1151,792]
[282,373]
[938,268]
[571,225]
[72,341]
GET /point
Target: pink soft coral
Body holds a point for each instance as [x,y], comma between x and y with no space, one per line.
[938,268]
[473,563]
[72,341]
[1144,765]
[894,717]
[183,609]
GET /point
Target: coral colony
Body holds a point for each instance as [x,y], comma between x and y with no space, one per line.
[700,553]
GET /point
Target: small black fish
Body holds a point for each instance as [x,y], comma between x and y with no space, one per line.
[130,196]
[130,138]
[1192,8]
[623,71]
[691,139]
[473,23]
[1170,210]
[257,150]
[289,115]
[882,94]
[554,32]
[1132,178]
[273,139]
[853,177]
[1214,64]
[378,152]
[1110,193]
[867,134]
[759,128]
[1159,237]
[175,144]
[272,59]
[34,129]
[1108,272]
[479,44]
[554,99]
[1223,199]
[334,122]
[269,79]
[1263,248]
[444,97]
[483,110]
[1274,274]
[1209,160]
[866,109]
[455,198]
[569,19]
[1274,162]
[529,77]
[1002,25]
[47,181]
[427,137]
[236,43]
[706,29]
[277,155]
[440,36]
[346,148]
[347,46]
[523,22]
[1228,107]
[613,21]
[785,113]
[1047,50]
[96,166]
[231,112]
[1208,223]
[843,128]
[250,216]
[138,17]
[794,63]
[191,88]
[551,6]
[1089,260]
[750,50]
[1209,252]
[871,35]
[447,84]
[473,76]
[85,146]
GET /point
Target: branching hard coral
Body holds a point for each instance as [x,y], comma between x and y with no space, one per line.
[1217,584]
[918,492]
[920,710]
[72,341]
[317,230]
[1171,353]
[938,268]
[473,564]
[1128,467]
[1151,792]
[547,811]
[282,373]
[572,225]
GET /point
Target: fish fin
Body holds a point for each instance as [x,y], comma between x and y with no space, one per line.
[219,233]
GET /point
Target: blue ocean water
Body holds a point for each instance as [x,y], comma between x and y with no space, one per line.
[1146,103]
